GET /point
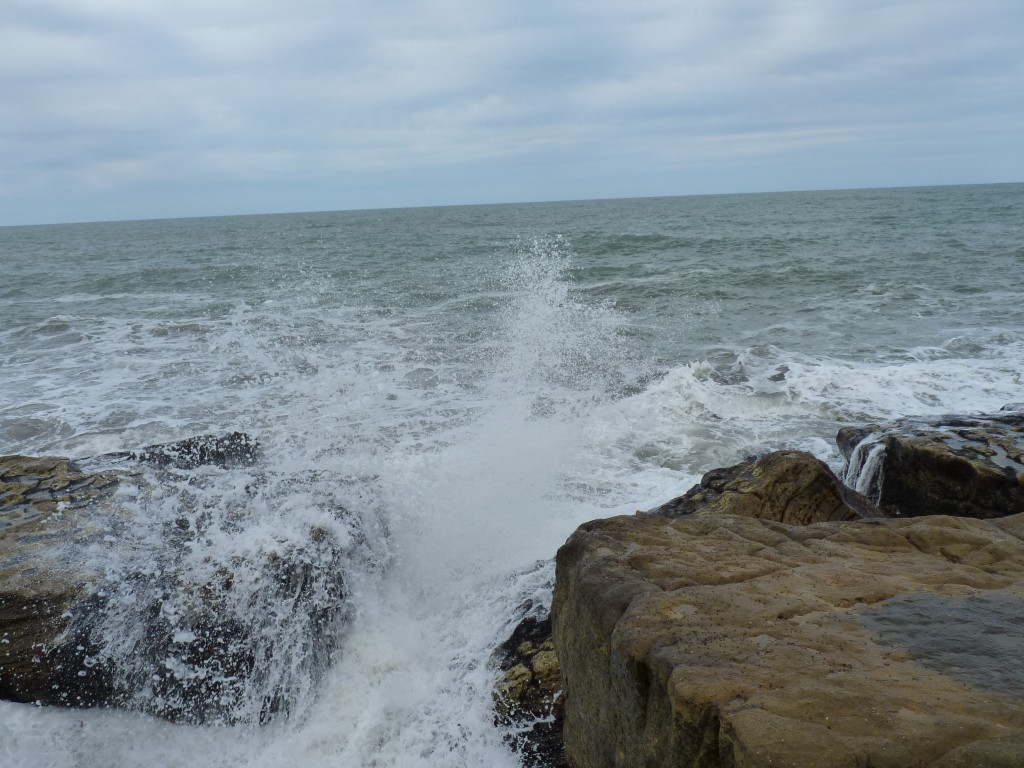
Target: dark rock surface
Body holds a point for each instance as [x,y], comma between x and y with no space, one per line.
[194,637]
[952,465]
[785,486]
[234,449]
[527,698]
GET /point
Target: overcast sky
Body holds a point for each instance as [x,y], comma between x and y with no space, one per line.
[115,109]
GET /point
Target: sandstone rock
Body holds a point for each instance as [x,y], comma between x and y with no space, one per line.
[786,486]
[527,697]
[734,641]
[963,466]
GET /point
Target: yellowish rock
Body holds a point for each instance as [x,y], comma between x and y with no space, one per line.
[735,641]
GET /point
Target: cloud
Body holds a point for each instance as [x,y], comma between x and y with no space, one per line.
[117,95]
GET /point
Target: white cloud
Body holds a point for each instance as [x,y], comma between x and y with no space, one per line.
[114,95]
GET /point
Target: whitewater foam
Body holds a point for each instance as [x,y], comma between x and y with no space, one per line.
[470,386]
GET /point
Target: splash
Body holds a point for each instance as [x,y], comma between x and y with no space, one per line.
[473,520]
[355,604]
[223,594]
[863,470]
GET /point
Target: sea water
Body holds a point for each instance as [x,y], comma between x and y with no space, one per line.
[471,383]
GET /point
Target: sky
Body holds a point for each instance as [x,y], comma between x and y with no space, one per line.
[127,109]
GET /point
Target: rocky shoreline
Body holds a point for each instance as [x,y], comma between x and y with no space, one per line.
[773,615]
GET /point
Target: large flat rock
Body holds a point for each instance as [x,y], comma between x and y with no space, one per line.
[735,641]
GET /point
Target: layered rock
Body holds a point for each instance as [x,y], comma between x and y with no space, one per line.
[963,466]
[734,641]
[42,500]
[771,616]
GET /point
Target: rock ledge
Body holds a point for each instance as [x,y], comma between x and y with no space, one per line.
[733,641]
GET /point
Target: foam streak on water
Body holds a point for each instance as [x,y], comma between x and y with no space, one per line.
[442,396]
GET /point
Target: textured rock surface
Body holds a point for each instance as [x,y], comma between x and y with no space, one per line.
[235,449]
[527,697]
[733,641]
[88,616]
[41,503]
[786,486]
[789,486]
[969,467]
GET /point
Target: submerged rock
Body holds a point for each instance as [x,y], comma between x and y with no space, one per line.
[147,590]
[724,640]
[235,449]
[951,465]
[527,698]
[786,486]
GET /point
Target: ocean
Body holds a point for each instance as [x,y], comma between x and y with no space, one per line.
[470,383]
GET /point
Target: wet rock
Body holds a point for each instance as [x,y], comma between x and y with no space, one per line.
[214,650]
[950,465]
[527,698]
[235,449]
[44,502]
[848,438]
[786,486]
[722,640]
[170,624]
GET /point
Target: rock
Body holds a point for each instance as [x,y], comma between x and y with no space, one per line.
[786,486]
[41,503]
[951,465]
[235,449]
[527,697]
[848,438]
[111,592]
[721,640]
[219,657]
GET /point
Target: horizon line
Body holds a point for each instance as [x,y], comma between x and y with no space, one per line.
[509,202]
